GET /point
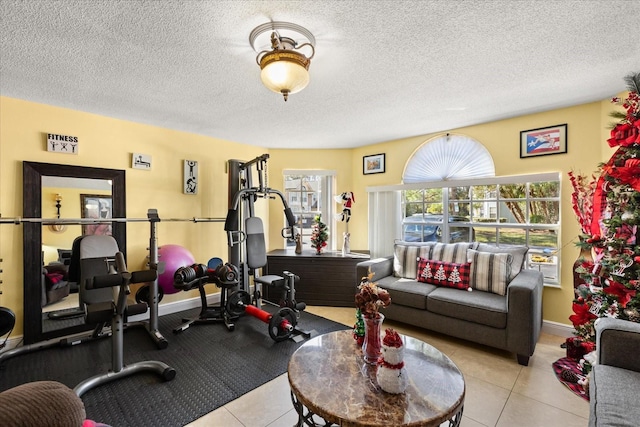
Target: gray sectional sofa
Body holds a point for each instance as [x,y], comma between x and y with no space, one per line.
[505,315]
[614,386]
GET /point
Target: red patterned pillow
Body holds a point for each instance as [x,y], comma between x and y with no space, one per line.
[442,273]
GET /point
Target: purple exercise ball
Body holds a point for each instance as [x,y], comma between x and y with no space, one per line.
[174,257]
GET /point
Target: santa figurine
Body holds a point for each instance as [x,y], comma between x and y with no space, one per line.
[347,199]
[392,375]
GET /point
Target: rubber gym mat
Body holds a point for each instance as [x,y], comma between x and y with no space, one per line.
[213,367]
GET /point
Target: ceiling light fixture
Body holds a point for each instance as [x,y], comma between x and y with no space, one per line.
[285,70]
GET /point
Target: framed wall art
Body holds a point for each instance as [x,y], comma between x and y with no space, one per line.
[96,206]
[373,164]
[190,177]
[543,141]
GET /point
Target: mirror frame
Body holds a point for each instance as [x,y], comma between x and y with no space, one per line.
[32,174]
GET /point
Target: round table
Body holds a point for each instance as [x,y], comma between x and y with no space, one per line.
[329,379]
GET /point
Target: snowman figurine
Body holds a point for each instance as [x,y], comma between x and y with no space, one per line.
[392,375]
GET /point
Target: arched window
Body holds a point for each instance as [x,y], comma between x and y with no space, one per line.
[449,157]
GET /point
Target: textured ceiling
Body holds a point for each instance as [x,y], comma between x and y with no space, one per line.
[382,70]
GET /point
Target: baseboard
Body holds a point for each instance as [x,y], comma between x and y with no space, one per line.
[558,329]
[176,306]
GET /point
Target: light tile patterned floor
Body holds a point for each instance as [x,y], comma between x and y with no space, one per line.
[500,392]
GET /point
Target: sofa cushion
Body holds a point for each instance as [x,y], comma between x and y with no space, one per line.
[490,271]
[451,252]
[479,307]
[407,292]
[442,273]
[405,258]
[613,394]
[519,254]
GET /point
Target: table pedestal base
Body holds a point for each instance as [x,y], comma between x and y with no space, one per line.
[306,419]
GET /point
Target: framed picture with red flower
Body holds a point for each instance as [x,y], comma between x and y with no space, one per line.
[543,141]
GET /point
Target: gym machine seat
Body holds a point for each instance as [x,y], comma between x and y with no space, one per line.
[257,259]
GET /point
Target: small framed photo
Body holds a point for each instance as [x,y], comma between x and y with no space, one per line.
[96,206]
[141,161]
[543,141]
[373,164]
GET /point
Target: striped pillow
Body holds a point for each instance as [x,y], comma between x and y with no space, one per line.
[405,259]
[489,271]
[451,252]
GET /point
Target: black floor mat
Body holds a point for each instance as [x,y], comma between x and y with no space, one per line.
[213,365]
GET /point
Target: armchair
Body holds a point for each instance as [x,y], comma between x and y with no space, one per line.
[615,379]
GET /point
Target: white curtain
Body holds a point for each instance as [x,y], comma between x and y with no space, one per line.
[385,222]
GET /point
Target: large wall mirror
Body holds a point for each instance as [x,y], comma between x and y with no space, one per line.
[83,192]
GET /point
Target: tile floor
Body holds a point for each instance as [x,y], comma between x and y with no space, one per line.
[500,392]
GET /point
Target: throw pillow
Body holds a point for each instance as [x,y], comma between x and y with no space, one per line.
[451,252]
[442,273]
[53,279]
[489,271]
[518,252]
[405,259]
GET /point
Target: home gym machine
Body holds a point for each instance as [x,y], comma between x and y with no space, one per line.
[247,250]
[246,242]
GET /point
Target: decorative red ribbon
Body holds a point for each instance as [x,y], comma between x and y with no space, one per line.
[599,198]
[390,366]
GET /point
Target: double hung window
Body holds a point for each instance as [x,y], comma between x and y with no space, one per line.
[308,193]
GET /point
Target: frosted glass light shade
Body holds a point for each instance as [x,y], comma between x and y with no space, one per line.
[284,76]
[284,71]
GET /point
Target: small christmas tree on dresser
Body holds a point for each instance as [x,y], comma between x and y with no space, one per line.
[610,226]
[358,328]
[319,234]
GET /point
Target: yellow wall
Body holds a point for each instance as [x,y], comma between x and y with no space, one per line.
[108,143]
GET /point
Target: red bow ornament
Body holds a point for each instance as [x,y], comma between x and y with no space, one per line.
[625,134]
[628,174]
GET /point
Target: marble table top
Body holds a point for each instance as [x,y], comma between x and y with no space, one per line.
[329,376]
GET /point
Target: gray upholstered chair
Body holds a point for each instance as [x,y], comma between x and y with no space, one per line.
[614,386]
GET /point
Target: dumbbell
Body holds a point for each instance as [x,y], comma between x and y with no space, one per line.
[281,324]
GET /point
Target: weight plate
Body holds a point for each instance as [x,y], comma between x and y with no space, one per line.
[276,331]
[7,320]
[143,293]
[237,302]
